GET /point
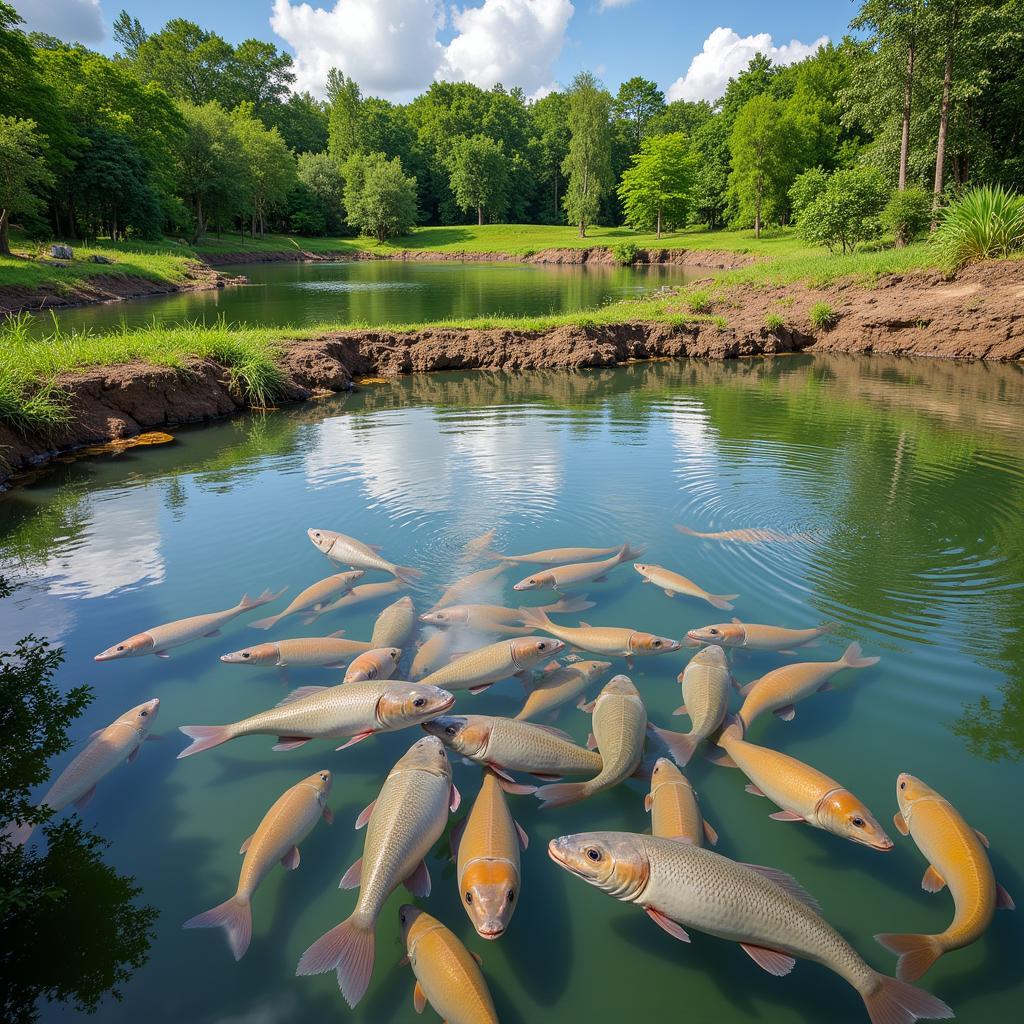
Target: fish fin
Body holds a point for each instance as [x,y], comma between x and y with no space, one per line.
[722,601]
[720,757]
[603,578]
[406,574]
[1004,901]
[587,705]
[290,861]
[245,846]
[932,880]
[545,777]
[418,883]
[351,878]
[668,593]
[787,650]
[419,998]
[299,694]
[675,930]
[825,687]
[982,837]
[509,785]
[770,960]
[290,742]
[681,710]
[753,790]
[562,794]
[310,617]
[710,834]
[358,738]
[347,949]
[786,816]
[336,635]
[328,815]
[585,625]
[134,754]
[480,689]
[568,604]
[787,712]
[203,737]
[84,800]
[162,654]
[591,741]
[524,839]
[680,745]
[901,824]
[267,623]
[455,836]
[628,552]
[895,1002]
[235,917]
[917,953]
[853,659]
[455,799]
[738,622]
[788,883]
[364,815]
[266,597]
[213,632]
[560,733]
[648,801]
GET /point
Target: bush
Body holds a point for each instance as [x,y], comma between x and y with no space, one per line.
[625,253]
[907,214]
[823,316]
[985,223]
[774,322]
[841,210]
[699,302]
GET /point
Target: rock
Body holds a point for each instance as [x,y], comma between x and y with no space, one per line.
[61,252]
[97,258]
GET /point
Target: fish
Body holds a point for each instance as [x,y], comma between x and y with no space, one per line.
[331,651]
[349,551]
[402,824]
[105,750]
[314,599]
[505,744]
[561,556]
[705,682]
[766,911]
[379,663]
[357,710]
[494,618]
[779,690]
[434,652]
[562,577]
[619,726]
[751,535]
[479,669]
[755,637]
[363,593]
[559,686]
[956,857]
[448,975]
[479,545]
[486,845]
[276,840]
[467,587]
[672,583]
[675,812]
[605,640]
[160,639]
[803,793]
[395,625]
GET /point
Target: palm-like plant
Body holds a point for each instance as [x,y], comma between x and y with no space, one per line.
[985,223]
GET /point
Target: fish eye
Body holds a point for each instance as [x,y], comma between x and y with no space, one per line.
[469,897]
[401,917]
[511,895]
[903,785]
[418,702]
[713,632]
[120,647]
[143,713]
[858,821]
[246,654]
[594,854]
[656,643]
[323,776]
[450,730]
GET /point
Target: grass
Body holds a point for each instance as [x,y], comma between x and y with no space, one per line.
[774,322]
[822,316]
[985,223]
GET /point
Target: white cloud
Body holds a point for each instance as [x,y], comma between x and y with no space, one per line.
[725,55]
[79,21]
[604,5]
[391,47]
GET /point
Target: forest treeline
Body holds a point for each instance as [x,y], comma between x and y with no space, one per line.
[183,133]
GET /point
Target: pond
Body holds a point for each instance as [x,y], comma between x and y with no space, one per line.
[382,292]
[907,480]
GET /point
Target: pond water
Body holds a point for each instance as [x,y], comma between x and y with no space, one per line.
[909,477]
[381,292]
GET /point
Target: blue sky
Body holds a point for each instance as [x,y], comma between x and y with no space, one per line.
[396,47]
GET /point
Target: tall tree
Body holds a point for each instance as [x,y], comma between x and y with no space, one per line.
[269,165]
[550,131]
[636,103]
[659,185]
[23,173]
[186,61]
[587,165]
[479,175]
[130,34]
[344,116]
[380,200]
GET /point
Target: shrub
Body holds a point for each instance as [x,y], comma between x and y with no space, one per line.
[625,253]
[842,210]
[907,214]
[699,302]
[823,316]
[985,223]
[774,322]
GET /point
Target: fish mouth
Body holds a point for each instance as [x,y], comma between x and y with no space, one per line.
[494,932]
[883,845]
[449,703]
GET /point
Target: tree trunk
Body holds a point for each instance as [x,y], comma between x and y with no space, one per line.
[200,224]
[659,222]
[583,229]
[940,151]
[5,241]
[479,215]
[908,87]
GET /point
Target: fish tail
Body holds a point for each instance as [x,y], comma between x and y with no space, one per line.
[627,551]
[266,597]
[732,728]
[686,530]
[852,656]
[896,1002]
[235,917]
[18,832]
[566,605]
[722,601]
[562,794]
[406,573]
[917,953]
[681,745]
[204,737]
[267,623]
[347,949]
[535,617]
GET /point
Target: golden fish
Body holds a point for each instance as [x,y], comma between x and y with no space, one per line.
[479,545]
[754,636]
[448,976]
[160,639]
[606,640]
[276,839]
[488,665]
[956,857]
[753,535]
[379,663]
[559,686]
[496,619]
[561,556]
[403,823]
[314,599]
[765,910]
[562,577]
[467,587]
[672,583]
[434,652]
[331,651]
[363,593]
[672,802]
[394,625]
[349,551]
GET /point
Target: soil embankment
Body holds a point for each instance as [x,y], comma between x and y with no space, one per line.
[979,315]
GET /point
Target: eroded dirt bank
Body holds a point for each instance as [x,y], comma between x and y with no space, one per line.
[980,315]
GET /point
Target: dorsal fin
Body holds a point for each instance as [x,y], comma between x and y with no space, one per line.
[788,883]
[299,694]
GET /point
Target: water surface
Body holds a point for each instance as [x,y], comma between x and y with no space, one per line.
[908,474]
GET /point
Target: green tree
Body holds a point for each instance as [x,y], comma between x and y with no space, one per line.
[637,102]
[302,122]
[659,185]
[320,206]
[186,61]
[710,144]
[130,35]
[258,73]
[270,167]
[479,175]
[344,120]
[587,164]
[907,214]
[550,138]
[840,210]
[681,116]
[23,173]
[380,200]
